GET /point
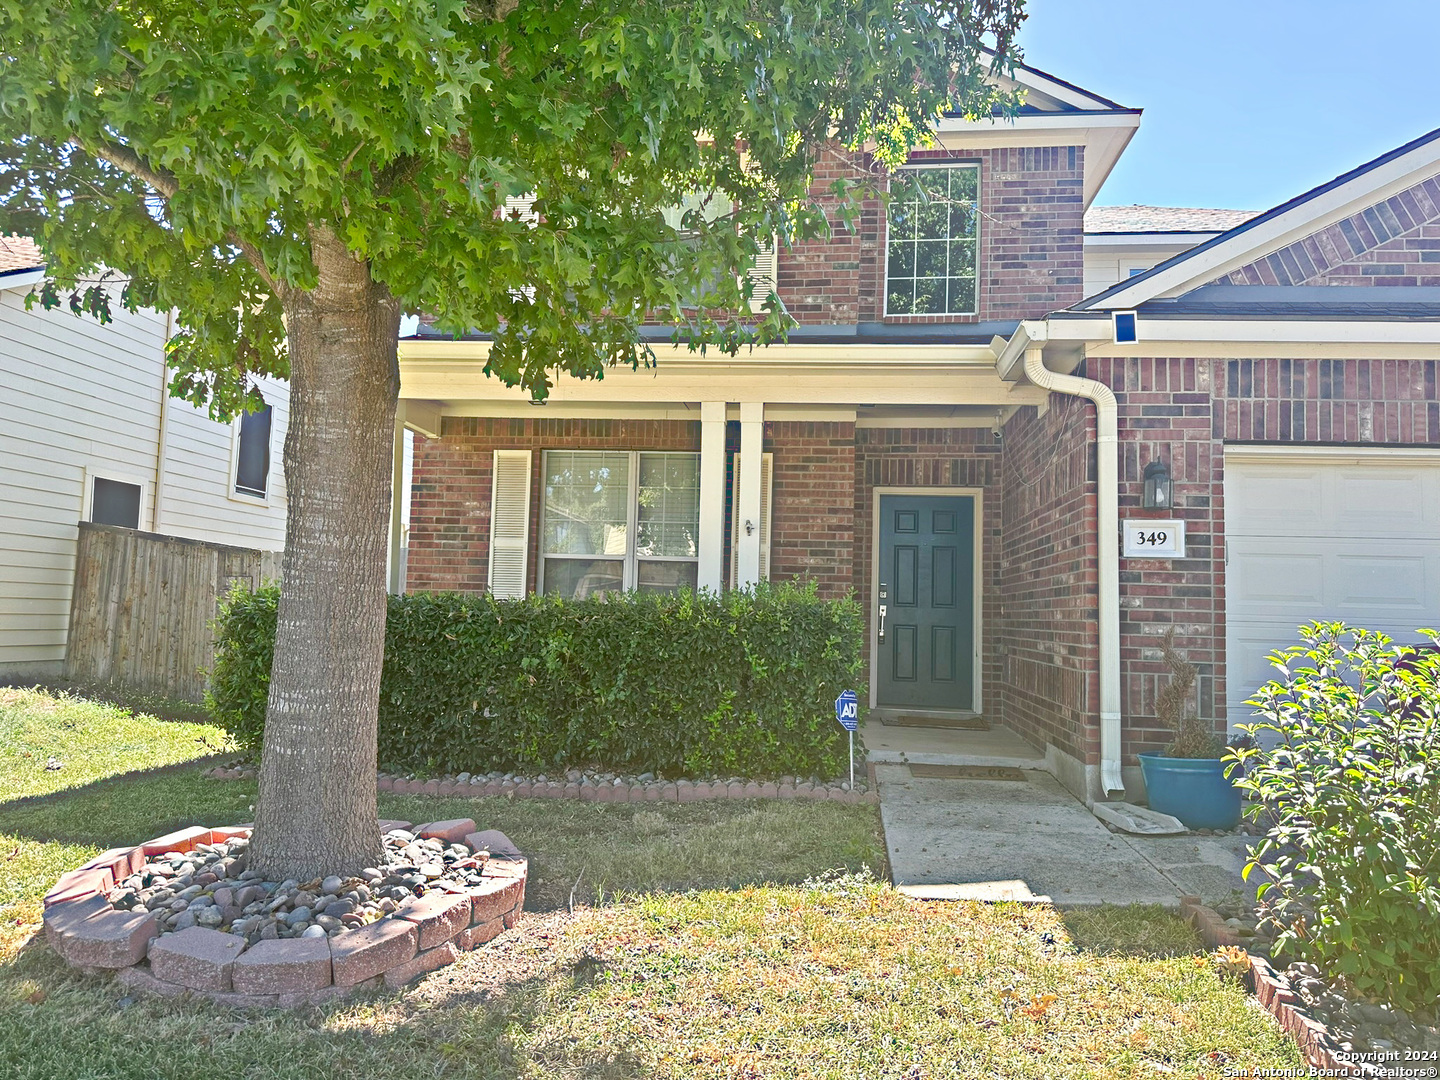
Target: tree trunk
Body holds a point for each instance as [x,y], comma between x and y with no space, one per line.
[316,813]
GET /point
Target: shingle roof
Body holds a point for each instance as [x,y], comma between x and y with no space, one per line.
[19,253]
[1151,219]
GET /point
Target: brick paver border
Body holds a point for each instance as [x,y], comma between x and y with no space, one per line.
[89,933]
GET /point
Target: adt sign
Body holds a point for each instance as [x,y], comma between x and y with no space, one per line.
[847,710]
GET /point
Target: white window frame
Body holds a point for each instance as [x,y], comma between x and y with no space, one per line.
[232,480]
[119,476]
[885,250]
[630,561]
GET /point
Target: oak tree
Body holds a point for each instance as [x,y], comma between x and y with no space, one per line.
[289,177]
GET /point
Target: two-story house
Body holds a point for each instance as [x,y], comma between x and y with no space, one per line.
[1026,447]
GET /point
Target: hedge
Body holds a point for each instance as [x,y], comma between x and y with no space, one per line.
[690,684]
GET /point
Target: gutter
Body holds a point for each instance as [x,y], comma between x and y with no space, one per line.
[1030,339]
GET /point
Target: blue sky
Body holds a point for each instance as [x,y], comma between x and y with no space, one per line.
[1247,104]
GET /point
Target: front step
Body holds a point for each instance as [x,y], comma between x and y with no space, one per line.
[951,722]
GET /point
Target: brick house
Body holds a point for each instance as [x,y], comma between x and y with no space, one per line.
[961,426]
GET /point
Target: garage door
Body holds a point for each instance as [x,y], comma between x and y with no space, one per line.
[1325,535]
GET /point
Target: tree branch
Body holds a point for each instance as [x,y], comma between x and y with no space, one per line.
[127,160]
[166,183]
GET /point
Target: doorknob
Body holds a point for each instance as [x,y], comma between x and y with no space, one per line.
[883,594]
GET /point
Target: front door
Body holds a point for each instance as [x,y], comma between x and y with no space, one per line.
[925,644]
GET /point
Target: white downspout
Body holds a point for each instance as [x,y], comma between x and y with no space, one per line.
[1107,525]
[162,437]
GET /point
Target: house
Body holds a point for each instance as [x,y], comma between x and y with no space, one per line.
[1029,434]
[88,433]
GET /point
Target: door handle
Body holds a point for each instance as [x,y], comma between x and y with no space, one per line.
[883,594]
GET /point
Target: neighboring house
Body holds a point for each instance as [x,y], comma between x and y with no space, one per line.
[922,441]
[88,433]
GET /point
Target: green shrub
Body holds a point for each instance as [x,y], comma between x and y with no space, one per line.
[690,684]
[1353,791]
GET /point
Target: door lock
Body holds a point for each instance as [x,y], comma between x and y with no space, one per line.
[883,594]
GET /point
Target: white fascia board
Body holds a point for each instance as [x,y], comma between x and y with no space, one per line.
[788,354]
[1261,237]
[1098,331]
[24,279]
[1150,239]
[1104,136]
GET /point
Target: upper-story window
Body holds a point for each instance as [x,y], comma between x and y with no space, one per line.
[933,238]
[252,454]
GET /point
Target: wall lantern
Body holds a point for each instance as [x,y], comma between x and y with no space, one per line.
[1158,491]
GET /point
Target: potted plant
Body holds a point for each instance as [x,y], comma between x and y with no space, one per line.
[1188,780]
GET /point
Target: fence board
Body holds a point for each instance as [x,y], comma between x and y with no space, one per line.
[143,604]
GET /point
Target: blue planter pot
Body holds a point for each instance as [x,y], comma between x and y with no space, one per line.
[1195,790]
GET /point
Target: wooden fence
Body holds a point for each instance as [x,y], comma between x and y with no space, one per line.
[143,603]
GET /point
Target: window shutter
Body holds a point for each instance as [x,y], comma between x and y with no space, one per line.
[763,276]
[509,523]
[766,467]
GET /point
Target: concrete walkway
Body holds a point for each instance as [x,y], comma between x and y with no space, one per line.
[1013,839]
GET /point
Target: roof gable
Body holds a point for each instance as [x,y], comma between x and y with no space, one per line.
[1368,189]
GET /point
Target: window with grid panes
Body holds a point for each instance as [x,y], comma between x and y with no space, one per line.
[933,241]
[619,520]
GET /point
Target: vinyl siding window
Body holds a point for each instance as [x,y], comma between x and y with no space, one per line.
[933,241]
[615,520]
[115,502]
[252,453]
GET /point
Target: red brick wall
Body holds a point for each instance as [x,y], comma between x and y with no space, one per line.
[812,518]
[1031,241]
[1182,411]
[1048,629]
[1396,242]
[450,493]
[934,457]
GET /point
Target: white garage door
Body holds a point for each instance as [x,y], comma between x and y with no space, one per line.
[1322,534]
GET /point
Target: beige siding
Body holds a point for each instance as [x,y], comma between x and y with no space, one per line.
[78,399]
[199,499]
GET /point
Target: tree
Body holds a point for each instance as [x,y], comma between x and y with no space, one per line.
[289,177]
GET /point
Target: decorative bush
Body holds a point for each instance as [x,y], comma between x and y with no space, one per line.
[1353,789]
[741,682]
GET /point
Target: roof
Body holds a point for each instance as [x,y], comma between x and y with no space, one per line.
[1264,233]
[1163,219]
[19,253]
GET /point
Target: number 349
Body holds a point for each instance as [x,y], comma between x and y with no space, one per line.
[1158,538]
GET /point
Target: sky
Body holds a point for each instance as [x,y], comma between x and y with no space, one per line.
[1247,104]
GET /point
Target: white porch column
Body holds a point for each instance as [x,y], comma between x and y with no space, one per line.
[394,571]
[746,526]
[711,569]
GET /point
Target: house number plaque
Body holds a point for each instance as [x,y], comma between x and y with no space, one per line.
[1150,538]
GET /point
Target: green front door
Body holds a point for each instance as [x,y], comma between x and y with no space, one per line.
[925,644]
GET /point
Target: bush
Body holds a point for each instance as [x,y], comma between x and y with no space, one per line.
[1353,791]
[690,684]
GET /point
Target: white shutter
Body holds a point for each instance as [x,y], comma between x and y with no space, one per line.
[509,523]
[521,208]
[766,467]
[762,277]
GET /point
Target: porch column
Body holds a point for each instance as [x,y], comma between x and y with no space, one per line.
[746,526]
[711,546]
[395,572]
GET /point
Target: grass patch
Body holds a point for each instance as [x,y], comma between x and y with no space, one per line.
[844,979]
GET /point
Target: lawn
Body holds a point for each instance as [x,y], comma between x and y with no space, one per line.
[704,955]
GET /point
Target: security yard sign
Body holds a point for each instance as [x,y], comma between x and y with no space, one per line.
[847,711]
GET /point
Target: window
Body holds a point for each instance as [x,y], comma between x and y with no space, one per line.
[619,520]
[114,502]
[252,453]
[934,235]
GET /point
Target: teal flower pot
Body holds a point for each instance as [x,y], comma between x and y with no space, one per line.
[1195,790]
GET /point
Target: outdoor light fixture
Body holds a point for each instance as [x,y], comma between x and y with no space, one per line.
[1158,490]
